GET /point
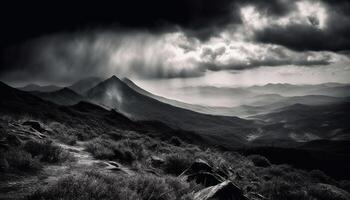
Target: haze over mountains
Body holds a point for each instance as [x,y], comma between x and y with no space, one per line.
[271,112]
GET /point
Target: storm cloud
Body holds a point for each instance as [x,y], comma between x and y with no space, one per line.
[326,27]
[183,39]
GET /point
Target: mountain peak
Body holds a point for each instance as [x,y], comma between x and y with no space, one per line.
[114,79]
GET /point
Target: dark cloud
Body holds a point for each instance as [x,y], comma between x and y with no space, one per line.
[72,42]
[274,7]
[273,57]
[66,58]
[23,20]
[308,36]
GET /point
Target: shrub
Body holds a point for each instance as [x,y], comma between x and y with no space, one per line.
[18,159]
[84,187]
[47,151]
[95,185]
[100,151]
[259,161]
[125,155]
[278,189]
[176,163]
[68,139]
[103,149]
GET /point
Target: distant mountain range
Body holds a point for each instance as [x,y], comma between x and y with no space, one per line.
[79,87]
[34,87]
[269,116]
[114,93]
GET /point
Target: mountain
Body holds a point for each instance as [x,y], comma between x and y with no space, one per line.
[329,89]
[226,131]
[64,96]
[16,104]
[34,87]
[302,123]
[214,96]
[224,111]
[338,91]
[84,85]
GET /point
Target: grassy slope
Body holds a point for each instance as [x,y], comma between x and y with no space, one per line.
[115,137]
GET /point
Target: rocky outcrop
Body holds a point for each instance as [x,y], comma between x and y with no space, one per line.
[35,125]
[157,161]
[202,173]
[223,191]
[115,166]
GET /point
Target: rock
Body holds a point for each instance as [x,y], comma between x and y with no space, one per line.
[152,172]
[224,171]
[205,178]
[223,191]
[114,166]
[321,190]
[157,161]
[202,173]
[198,165]
[34,124]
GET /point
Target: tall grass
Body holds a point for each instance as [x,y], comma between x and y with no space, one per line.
[96,185]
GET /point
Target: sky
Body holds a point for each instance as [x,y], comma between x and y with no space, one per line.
[173,44]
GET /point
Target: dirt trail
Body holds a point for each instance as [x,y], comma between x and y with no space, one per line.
[20,186]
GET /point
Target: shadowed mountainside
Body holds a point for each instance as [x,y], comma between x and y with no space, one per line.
[84,85]
[64,96]
[114,93]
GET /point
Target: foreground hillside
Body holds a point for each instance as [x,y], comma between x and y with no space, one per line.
[84,151]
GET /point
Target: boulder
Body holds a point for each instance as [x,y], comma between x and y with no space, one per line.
[198,165]
[224,171]
[223,191]
[34,124]
[322,190]
[202,173]
[157,161]
[205,178]
[114,166]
